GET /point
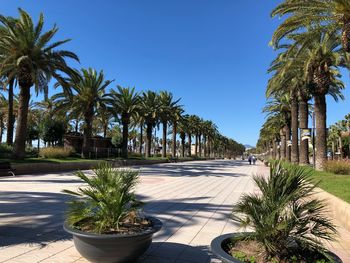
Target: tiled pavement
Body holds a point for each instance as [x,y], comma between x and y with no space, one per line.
[193,200]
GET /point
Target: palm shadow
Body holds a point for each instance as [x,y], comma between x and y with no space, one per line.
[32,217]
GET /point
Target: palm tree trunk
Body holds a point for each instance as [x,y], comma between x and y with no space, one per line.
[183,138]
[189,144]
[200,145]
[125,139]
[87,134]
[333,149]
[341,148]
[321,131]
[165,129]
[196,146]
[141,139]
[304,124]
[295,136]
[149,139]
[283,144]
[205,146]
[274,151]
[11,117]
[278,151]
[21,129]
[174,139]
[288,148]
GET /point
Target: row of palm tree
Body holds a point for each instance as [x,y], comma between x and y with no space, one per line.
[338,138]
[312,44]
[29,59]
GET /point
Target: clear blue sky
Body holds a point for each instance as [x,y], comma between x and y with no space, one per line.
[212,54]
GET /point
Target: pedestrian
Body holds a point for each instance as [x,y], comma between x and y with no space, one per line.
[250,159]
[254,159]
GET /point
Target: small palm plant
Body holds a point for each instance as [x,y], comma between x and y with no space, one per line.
[107,204]
[287,222]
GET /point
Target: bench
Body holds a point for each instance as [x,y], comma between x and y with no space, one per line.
[6,169]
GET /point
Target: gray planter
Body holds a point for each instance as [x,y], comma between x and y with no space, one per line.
[219,242]
[115,248]
[216,248]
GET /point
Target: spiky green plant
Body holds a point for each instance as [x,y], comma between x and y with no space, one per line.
[105,202]
[285,217]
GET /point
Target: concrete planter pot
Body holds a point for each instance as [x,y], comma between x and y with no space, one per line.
[217,245]
[114,248]
[219,242]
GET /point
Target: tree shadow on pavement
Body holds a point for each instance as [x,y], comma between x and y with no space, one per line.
[31,217]
[185,212]
[176,252]
[211,168]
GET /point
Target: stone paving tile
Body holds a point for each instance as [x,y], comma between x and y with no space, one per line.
[193,200]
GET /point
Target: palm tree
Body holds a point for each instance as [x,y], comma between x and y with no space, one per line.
[27,55]
[335,137]
[149,106]
[192,121]
[288,81]
[84,93]
[324,57]
[175,119]
[209,132]
[139,120]
[281,107]
[125,102]
[166,108]
[10,113]
[183,129]
[3,109]
[333,15]
[105,115]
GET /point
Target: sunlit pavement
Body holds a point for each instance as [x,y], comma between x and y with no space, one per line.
[193,200]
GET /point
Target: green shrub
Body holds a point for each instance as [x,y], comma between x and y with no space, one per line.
[106,202]
[5,150]
[285,213]
[56,152]
[338,167]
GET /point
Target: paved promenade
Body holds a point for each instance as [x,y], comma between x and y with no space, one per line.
[193,200]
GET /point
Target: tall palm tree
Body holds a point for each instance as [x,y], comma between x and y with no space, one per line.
[176,116]
[149,106]
[3,109]
[183,129]
[323,59]
[125,102]
[209,132]
[10,113]
[167,106]
[27,55]
[281,106]
[138,120]
[192,126]
[104,116]
[194,123]
[288,81]
[333,15]
[84,93]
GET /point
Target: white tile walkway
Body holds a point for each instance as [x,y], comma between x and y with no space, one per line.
[193,200]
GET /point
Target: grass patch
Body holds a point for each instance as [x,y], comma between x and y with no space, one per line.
[335,184]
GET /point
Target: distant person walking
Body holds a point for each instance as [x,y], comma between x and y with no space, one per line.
[250,159]
[254,159]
